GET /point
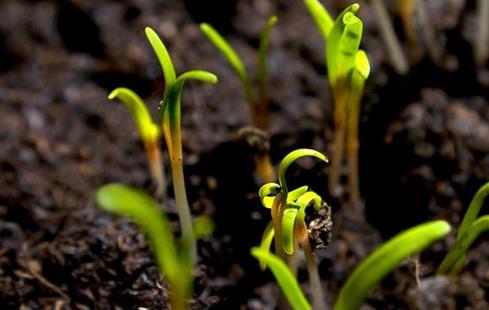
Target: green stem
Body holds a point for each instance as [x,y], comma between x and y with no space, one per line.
[183,208]
[315,281]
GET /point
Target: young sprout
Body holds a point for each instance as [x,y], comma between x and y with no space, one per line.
[148,131]
[256,94]
[382,261]
[170,121]
[393,46]
[288,227]
[256,97]
[470,228]
[348,68]
[285,278]
[173,264]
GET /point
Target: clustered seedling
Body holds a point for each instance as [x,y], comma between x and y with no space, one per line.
[348,68]
[256,94]
[288,227]
[470,228]
[170,124]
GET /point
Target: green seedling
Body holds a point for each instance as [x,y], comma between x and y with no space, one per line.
[170,121]
[256,96]
[382,261]
[256,93]
[148,131]
[285,278]
[288,227]
[471,227]
[348,68]
[172,261]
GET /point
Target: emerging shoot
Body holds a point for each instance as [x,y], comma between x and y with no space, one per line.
[288,226]
[348,68]
[170,122]
[382,261]
[256,93]
[148,131]
[144,211]
[470,228]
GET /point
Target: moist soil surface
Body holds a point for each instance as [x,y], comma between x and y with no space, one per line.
[424,151]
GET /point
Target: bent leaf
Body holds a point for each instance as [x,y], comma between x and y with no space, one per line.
[384,259]
[172,109]
[267,194]
[139,112]
[285,279]
[292,157]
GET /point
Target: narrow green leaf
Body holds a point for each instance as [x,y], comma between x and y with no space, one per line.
[144,211]
[292,157]
[382,261]
[473,210]
[266,243]
[310,199]
[321,17]
[262,51]
[455,259]
[362,65]
[285,279]
[163,57]
[139,112]
[229,53]
[293,195]
[287,229]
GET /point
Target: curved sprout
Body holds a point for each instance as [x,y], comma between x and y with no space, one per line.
[139,112]
[286,280]
[172,109]
[473,210]
[321,17]
[377,265]
[292,157]
[455,259]
[163,57]
[343,42]
[144,211]
[230,54]
[266,242]
[267,194]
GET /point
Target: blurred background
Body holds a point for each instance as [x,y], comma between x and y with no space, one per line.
[424,147]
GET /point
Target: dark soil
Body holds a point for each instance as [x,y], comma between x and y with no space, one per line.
[424,151]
